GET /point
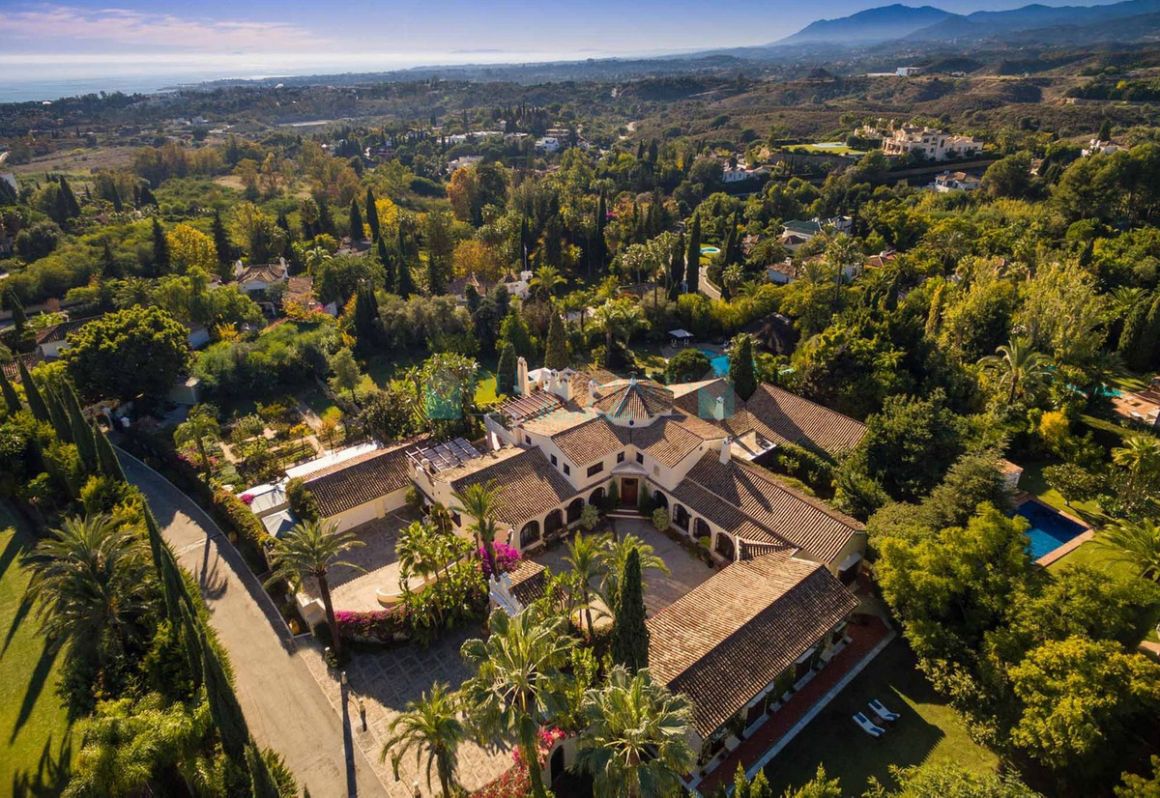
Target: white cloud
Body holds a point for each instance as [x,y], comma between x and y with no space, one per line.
[48,26]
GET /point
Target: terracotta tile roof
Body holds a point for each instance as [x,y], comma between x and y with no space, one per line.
[528,581]
[12,367]
[591,440]
[529,486]
[266,273]
[671,440]
[632,399]
[719,512]
[359,480]
[724,641]
[782,416]
[58,332]
[300,289]
[700,398]
[817,529]
[520,408]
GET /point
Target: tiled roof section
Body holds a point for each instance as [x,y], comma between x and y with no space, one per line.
[808,523]
[529,486]
[359,480]
[300,289]
[266,273]
[727,639]
[720,512]
[700,398]
[528,581]
[58,332]
[783,416]
[12,367]
[632,399]
[671,440]
[591,441]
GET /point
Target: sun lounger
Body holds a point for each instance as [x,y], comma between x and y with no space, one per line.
[867,726]
[881,711]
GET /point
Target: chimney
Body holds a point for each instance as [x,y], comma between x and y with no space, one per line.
[727,450]
[523,384]
[719,408]
[593,389]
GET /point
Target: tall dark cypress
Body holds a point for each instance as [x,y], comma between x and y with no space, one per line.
[35,398]
[11,398]
[356,222]
[223,704]
[57,415]
[106,457]
[221,241]
[677,267]
[115,198]
[82,433]
[389,278]
[405,281]
[372,214]
[160,248]
[72,207]
[693,256]
[505,371]
[630,635]
[325,218]
[262,784]
[742,370]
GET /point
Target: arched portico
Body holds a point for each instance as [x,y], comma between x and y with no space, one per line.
[681,517]
[725,547]
[660,500]
[553,522]
[597,497]
[575,510]
[529,535]
[701,529]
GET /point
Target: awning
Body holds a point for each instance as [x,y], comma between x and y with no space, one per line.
[850,561]
[680,334]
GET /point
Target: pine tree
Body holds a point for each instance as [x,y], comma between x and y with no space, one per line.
[389,278]
[11,398]
[72,207]
[693,256]
[356,223]
[505,371]
[630,635]
[106,457]
[556,354]
[82,433]
[36,402]
[677,268]
[372,215]
[160,248]
[742,371]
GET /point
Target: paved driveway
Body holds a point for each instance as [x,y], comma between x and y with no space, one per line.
[283,706]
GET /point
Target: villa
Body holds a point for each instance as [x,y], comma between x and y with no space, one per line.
[929,143]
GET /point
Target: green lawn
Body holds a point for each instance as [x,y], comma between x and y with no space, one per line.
[34,729]
[814,148]
[929,731]
[1033,482]
[1102,559]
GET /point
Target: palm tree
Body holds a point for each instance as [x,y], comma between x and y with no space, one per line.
[478,501]
[310,548]
[614,555]
[620,319]
[517,681]
[1135,542]
[636,743]
[430,725]
[93,587]
[1017,367]
[545,281]
[584,560]
[1140,454]
[198,425]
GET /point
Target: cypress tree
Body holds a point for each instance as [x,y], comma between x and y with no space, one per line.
[60,213]
[221,244]
[677,268]
[505,372]
[405,281]
[262,784]
[389,278]
[160,248]
[36,401]
[71,206]
[223,704]
[11,398]
[325,219]
[107,459]
[1147,350]
[693,256]
[19,317]
[556,356]
[599,247]
[118,204]
[57,415]
[366,317]
[630,635]
[109,267]
[741,369]
[147,197]
[356,222]
[82,433]
[372,214]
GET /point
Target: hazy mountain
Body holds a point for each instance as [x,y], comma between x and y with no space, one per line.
[1129,20]
[872,26]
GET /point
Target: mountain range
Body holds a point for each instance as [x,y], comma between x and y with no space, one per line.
[1126,21]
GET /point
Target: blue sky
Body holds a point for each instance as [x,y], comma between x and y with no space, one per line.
[264,37]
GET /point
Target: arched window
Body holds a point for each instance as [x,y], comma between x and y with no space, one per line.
[681,517]
[530,534]
[701,529]
[661,499]
[597,497]
[554,522]
[725,546]
[574,510]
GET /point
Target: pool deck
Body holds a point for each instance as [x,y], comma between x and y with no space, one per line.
[1067,548]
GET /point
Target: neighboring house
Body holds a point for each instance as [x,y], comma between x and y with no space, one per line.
[362,488]
[260,279]
[781,272]
[908,71]
[1095,147]
[463,161]
[740,642]
[519,287]
[300,291]
[739,174]
[955,181]
[51,341]
[547,144]
[796,233]
[1140,408]
[929,143]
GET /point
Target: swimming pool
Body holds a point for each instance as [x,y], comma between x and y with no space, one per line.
[1049,529]
[709,250]
[719,361]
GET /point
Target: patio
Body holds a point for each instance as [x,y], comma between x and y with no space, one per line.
[660,590]
[354,589]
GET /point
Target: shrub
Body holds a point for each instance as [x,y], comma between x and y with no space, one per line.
[810,467]
[302,501]
[506,559]
[374,626]
[660,519]
[234,515]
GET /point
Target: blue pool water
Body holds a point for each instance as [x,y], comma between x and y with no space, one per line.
[1049,530]
[710,250]
[719,362]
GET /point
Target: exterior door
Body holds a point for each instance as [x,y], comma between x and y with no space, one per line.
[628,489]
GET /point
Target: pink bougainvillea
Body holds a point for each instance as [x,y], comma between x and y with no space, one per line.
[515,781]
[247,499]
[506,559]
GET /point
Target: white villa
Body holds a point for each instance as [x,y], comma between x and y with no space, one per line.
[930,143]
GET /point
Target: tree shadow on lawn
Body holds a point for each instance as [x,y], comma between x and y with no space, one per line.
[22,610]
[36,682]
[51,775]
[833,739]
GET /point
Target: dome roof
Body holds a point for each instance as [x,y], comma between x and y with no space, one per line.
[632,403]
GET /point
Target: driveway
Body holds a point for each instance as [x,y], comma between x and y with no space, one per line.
[283,706]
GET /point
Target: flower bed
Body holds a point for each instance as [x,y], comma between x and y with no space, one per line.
[515,782]
[506,559]
[375,626]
